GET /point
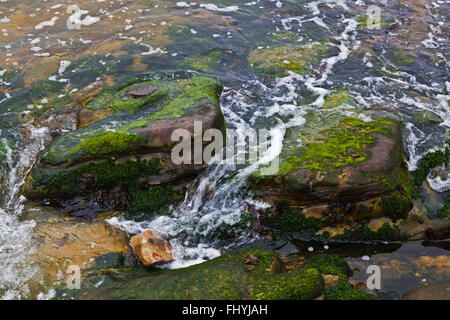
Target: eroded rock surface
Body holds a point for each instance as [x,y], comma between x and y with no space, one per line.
[151,248]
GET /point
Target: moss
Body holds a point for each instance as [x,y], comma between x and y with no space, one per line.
[115,98]
[402,58]
[300,284]
[108,174]
[337,99]
[293,220]
[344,291]
[192,93]
[334,264]
[110,143]
[428,162]
[340,146]
[173,99]
[329,264]
[193,90]
[362,21]
[226,277]
[153,199]
[203,62]
[107,143]
[444,210]
[397,206]
[364,233]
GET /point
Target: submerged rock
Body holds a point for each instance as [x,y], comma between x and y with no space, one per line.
[151,248]
[62,241]
[439,291]
[279,60]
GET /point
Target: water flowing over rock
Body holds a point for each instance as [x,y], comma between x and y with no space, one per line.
[113,160]
[355,111]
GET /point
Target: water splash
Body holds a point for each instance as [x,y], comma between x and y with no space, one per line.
[16,237]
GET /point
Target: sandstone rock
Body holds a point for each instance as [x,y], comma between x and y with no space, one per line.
[63,241]
[321,177]
[125,142]
[151,248]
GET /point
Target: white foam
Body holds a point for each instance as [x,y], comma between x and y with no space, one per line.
[213,7]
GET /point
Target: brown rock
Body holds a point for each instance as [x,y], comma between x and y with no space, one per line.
[151,248]
[331,280]
[250,259]
[439,291]
[139,91]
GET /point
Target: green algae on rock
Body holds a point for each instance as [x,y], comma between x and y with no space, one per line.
[339,170]
[231,276]
[254,273]
[282,59]
[147,102]
[130,147]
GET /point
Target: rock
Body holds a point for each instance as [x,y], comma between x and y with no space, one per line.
[439,291]
[293,57]
[63,241]
[151,248]
[330,280]
[223,278]
[321,177]
[139,91]
[250,259]
[127,149]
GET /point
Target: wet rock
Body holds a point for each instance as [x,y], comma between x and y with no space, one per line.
[439,291]
[222,278]
[117,198]
[113,159]
[139,91]
[63,241]
[280,60]
[320,176]
[330,280]
[151,248]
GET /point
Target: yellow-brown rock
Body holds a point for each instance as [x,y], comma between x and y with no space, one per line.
[151,248]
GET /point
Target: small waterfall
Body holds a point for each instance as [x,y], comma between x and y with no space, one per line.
[16,243]
[220,196]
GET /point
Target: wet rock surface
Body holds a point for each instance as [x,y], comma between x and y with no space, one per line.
[151,248]
[439,291]
[360,115]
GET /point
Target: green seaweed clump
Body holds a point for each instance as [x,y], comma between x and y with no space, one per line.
[329,264]
[153,199]
[363,233]
[336,265]
[105,175]
[340,146]
[299,284]
[344,291]
[293,220]
[110,143]
[444,210]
